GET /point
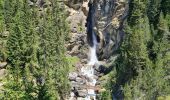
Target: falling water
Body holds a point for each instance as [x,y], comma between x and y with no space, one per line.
[93,57]
[89,70]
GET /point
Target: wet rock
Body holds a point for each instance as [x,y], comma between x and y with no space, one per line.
[72,76]
[80,80]
[97,83]
[96,72]
[74,84]
[100,75]
[88,79]
[96,66]
[82,93]
[80,98]
[75,92]
[95,77]
[80,74]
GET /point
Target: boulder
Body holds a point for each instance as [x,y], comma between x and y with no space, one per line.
[72,76]
[80,80]
[3,64]
[74,84]
[75,50]
[82,93]
[3,73]
[89,79]
[85,8]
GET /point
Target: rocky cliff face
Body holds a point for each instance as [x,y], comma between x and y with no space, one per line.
[107,16]
[107,22]
[104,18]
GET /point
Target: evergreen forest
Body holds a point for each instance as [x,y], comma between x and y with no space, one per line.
[33,41]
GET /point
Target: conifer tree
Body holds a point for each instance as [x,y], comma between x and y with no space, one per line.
[142,66]
[20,51]
[3,34]
[53,61]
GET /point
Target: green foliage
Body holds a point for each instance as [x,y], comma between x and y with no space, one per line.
[51,54]
[153,11]
[137,10]
[72,61]
[107,85]
[38,67]
[142,68]
[3,34]
[165,6]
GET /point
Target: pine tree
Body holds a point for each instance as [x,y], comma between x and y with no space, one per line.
[135,69]
[142,66]
[54,62]
[3,34]
[20,51]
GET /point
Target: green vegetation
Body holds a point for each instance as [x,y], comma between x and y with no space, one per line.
[32,41]
[72,61]
[142,69]
[37,65]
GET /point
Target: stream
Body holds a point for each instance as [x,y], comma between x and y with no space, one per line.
[89,70]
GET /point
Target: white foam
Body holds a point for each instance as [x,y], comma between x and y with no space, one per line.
[89,70]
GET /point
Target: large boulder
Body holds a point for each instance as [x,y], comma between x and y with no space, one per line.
[73,76]
[3,64]
[82,93]
[80,80]
[75,4]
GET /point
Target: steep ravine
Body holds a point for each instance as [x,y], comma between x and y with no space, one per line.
[96,32]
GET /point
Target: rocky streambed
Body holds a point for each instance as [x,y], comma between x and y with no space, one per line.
[84,85]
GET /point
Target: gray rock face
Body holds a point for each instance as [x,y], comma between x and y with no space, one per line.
[105,18]
[82,93]
[75,4]
[107,22]
[73,76]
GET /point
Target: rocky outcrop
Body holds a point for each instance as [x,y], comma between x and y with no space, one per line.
[107,22]
[105,19]
[77,45]
[78,5]
[3,64]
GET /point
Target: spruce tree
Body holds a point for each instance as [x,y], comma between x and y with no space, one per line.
[52,53]
[20,51]
[143,66]
[3,33]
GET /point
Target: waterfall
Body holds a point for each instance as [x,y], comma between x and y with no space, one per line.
[89,70]
[93,57]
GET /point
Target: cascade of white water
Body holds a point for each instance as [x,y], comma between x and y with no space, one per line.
[89,70]
[93,57]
